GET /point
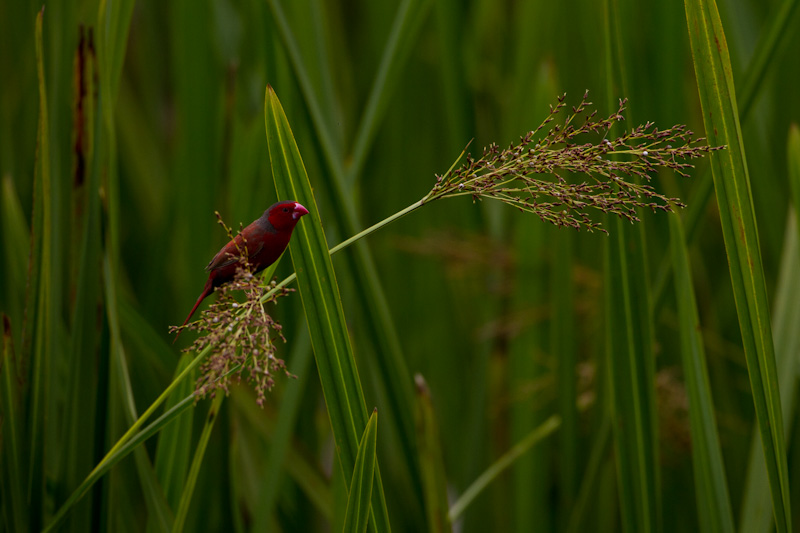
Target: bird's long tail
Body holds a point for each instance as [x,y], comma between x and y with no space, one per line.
[208,289]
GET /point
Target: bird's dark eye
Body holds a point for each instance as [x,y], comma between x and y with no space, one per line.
[285,209]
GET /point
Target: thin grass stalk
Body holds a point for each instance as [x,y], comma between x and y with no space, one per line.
[589,491]
[544,430]
[44,314]
[81,414]
[405,26]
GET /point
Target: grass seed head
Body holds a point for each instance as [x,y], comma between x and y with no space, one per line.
[561,171]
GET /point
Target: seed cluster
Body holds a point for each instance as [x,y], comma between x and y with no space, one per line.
[242,334]
[540,173]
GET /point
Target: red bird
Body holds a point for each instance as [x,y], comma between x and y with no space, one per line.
[264,241]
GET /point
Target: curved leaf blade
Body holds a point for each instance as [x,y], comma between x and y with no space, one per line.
[316,280]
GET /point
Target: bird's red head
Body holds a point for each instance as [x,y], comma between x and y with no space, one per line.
[284,215]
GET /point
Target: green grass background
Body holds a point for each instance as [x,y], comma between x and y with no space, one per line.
[518,328]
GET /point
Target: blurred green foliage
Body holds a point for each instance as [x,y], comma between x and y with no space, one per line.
[506,318]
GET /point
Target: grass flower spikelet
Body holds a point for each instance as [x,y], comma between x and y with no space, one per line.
[560,171]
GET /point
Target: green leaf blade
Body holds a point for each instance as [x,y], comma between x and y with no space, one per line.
[732,185]
[756,516]
[713,500]
[357,515]
[321,301]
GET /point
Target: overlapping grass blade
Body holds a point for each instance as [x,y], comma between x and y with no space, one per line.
[303,472]
[756,516]
[175,442]
[323,308]
[756,510]
[133,437]
[711,487]
[732,185]
[590,484]
[113,22]
[301,358]
[194,471]
[43,313]
[356,516]
[629,336]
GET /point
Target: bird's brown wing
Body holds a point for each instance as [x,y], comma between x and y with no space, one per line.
[230,254]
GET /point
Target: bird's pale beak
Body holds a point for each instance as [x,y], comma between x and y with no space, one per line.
[299,211]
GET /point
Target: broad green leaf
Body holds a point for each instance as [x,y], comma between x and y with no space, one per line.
[740,232]
[356,516]
[323,307]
